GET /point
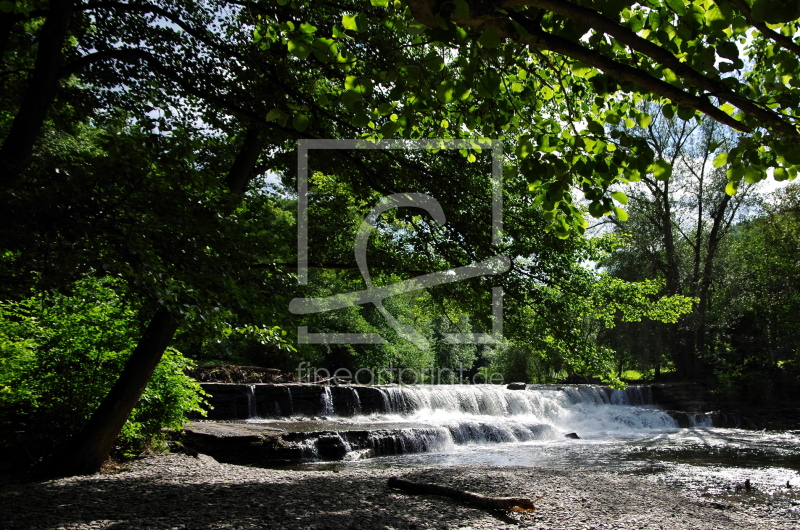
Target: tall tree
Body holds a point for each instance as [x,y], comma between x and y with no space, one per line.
[677,227]
[285,70]
[755,312]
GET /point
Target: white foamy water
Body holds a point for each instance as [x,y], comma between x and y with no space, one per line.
[487,413]
[439,418]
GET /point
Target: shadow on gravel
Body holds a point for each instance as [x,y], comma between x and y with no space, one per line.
[325,500]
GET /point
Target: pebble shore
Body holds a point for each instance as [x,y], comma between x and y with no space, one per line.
[178,491]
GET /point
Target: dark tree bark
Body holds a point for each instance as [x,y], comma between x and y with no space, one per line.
[7,21]
[86,452]
[242,169]
[40,94]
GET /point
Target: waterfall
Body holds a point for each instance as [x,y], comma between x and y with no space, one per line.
[290,404]
[327,401]
[356,401]
[252,411]
[383,420]
[489,413]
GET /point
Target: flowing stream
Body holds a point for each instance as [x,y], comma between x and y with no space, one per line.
[617,430]
[444,419]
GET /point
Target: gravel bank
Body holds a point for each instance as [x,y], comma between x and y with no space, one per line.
[179,491]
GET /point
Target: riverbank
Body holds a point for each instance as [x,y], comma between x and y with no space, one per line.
[180,491]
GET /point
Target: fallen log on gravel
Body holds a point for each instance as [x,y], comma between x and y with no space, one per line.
[517,504]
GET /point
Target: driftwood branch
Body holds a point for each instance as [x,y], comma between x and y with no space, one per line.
[517,504]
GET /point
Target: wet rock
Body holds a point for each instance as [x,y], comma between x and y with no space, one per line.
[331,447]
[516,386]
[572,435]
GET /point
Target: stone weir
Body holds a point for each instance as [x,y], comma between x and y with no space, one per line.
[263,400]
[268,424]
[689,403]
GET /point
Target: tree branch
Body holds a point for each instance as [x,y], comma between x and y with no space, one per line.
[518,504]
[639,44]
[784,41]
[24,130]
[131,56]
[241,171]
[541,39]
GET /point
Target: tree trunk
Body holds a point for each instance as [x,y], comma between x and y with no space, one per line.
[241,172]
[86,452]
[7,21]
[25,128]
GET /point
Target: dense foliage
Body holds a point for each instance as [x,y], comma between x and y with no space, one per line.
[60,354]
[138,138]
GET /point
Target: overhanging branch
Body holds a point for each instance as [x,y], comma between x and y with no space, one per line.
[664,57]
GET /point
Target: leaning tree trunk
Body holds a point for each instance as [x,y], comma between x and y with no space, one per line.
[86,452]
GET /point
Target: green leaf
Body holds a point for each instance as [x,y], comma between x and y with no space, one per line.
[524,149]
[735,172]
[662,170]
[273,114]
[350,98]
[792,155]
[595,127]
[753,174]
[685,113]
[669,76]
[780,174]
[350,22]
[444,92]
[718,16]
[380,3]
[644,120]
[299,48]
[300,122]
[728,50]
[678,6]
[6,6]
[580,69]
[731,187]
[596,209]
[283,119]
[462,9]
[490,38]
[668,111]
[325,50]
[633,175]
[636,23]
[721,159]
[619,197]
[621,214]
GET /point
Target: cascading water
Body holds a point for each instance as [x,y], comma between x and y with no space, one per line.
[356,401]
[252,410]
[327,402]
[409,419]
[485,413]
[619,431]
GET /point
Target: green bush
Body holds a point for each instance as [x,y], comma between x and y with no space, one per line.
[60,355]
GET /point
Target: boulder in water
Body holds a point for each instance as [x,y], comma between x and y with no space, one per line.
[572,435]
[517,386]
